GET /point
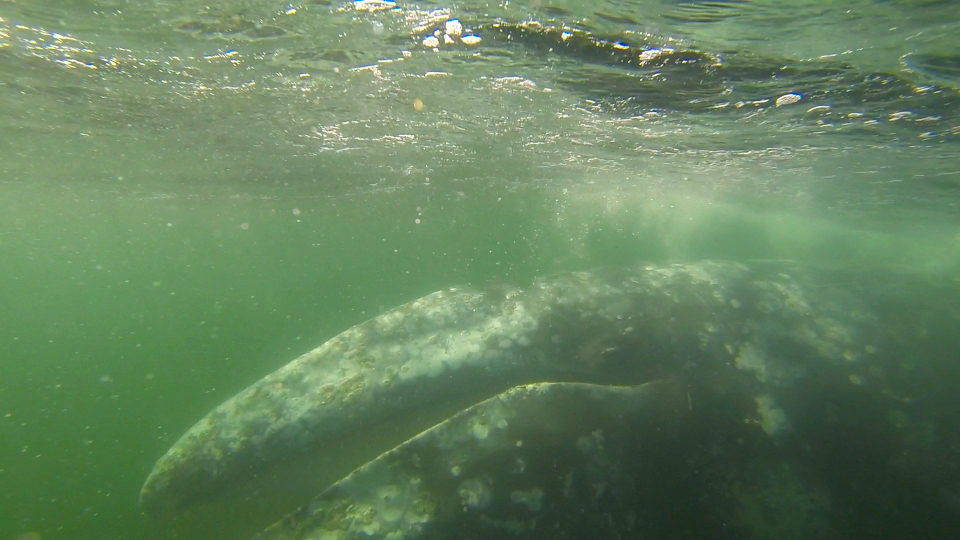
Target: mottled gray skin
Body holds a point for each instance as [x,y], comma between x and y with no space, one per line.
[620,327]
[493,467]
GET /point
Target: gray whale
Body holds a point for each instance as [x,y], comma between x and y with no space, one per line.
[777,352]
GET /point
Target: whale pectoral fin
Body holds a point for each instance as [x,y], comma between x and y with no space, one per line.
[533,453]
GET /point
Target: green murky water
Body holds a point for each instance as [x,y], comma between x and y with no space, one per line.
[194,193]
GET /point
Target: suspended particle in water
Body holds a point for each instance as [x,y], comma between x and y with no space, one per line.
[418,105]
[416,221]
[245,226]
[296,211]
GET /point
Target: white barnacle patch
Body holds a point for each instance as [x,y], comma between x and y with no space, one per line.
[765,307]
[793,298]
[751,358]
[475,494]
[829,337]
[491,418]
[431,355]
[389,320]
[385,510]
[532,498]
[480,426]
[773,419]
[389,494]
[526,322]
[591,444]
